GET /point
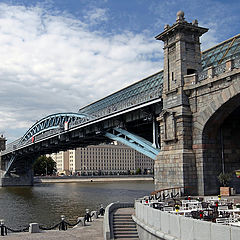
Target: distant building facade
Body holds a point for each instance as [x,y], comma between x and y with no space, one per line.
[102,160]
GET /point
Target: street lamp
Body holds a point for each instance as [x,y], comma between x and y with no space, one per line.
[46,168]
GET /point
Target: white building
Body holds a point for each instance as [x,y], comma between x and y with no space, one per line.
[102,159]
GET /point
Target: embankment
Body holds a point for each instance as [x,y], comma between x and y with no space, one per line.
[72,179]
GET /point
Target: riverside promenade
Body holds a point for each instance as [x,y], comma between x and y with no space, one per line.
[92,230]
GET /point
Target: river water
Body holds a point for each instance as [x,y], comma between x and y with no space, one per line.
[45,203]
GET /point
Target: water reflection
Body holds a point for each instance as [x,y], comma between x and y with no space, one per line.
[44,203]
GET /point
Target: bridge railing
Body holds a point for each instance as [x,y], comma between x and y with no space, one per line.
[236,63]
[212,71]
[10,147]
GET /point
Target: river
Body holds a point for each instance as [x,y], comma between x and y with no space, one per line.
[45,203]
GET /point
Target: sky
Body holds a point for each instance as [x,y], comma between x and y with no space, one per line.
[59,55]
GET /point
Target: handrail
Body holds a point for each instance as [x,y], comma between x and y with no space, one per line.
[164,189]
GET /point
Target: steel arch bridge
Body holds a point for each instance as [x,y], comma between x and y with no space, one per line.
[47,126]
[54,121]
[61,129]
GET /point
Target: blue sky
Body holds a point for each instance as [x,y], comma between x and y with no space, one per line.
[59,55]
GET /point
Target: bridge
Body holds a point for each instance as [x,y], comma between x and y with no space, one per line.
[185,117]
[128,116]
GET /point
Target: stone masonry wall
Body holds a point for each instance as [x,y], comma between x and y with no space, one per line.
[211,102]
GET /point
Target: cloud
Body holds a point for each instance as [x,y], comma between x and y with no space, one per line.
[210,38]
[54,63]
[221,17]
[96,15]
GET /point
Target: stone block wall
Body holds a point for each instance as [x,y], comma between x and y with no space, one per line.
[191,138]
[211,102]
[18,180]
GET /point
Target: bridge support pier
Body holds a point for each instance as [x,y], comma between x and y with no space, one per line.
[11,179]
[176,168]
[176,163]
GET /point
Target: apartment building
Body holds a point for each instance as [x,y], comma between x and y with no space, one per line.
[112,158]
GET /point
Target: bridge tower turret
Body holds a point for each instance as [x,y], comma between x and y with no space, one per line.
[176,165]
[182,54]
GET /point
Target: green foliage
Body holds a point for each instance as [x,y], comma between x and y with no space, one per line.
[224,178]
[44,165]
[138,171]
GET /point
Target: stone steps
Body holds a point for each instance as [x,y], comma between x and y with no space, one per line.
[123,221]
[124,227]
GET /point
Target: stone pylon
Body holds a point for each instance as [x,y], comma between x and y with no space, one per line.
[175,165]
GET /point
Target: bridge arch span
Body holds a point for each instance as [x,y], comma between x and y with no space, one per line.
[219,134]
[52,122]
[225,101]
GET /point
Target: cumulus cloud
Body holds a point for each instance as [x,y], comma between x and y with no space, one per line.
[54,63]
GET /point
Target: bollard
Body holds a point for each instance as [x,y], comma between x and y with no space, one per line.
[88,216]
[3,228]
[63,225]
[34,228]
[101,211]
[94,214]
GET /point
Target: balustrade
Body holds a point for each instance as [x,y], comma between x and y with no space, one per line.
[219,69]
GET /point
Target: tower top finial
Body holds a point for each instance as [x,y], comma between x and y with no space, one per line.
[180,15]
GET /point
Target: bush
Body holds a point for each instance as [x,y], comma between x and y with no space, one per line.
[224,179]
[138,171]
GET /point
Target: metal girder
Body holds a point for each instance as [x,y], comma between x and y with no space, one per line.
[138,143]
[13,158]
[52,122]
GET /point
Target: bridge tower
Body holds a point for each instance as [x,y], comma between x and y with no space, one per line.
[176,164]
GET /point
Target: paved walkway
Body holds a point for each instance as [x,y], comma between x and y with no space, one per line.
[93,230]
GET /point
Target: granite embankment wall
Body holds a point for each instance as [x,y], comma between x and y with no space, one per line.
[69,179]
[153,224]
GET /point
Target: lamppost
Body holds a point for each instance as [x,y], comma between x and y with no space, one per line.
[46,168]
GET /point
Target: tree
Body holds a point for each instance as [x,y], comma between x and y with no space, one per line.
[44,166]
[224,178]
[138,171]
